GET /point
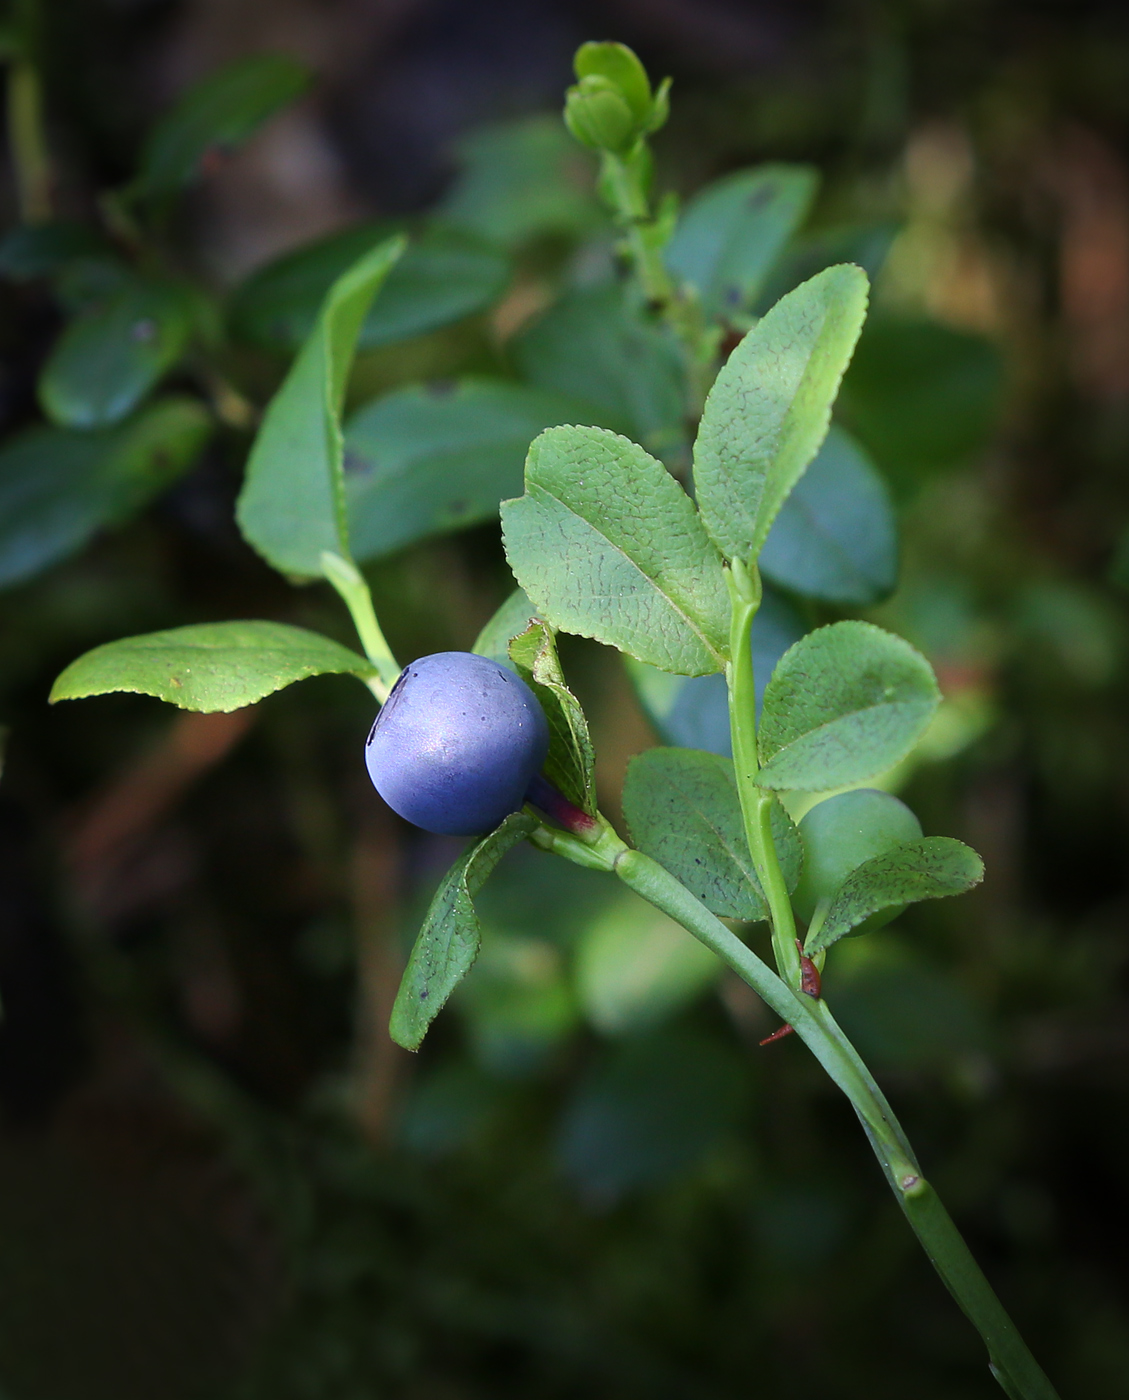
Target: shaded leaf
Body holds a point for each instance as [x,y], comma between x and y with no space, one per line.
[932,868]
[444,276]
[521,180]
[635,967]
[922,396]
[510,621]
[732,232]
[570,763]
[866,245]
[209,666]
[835,537]
[113,352]
[650,1109]
[692,712]
[448,942]
[517,1001]
[846,702]
[433,458]
[683,810]
[769,409]
[292,506]
[607,544]
[38,250]
[217,114]
[906,1015]
[595,348]
[58,487]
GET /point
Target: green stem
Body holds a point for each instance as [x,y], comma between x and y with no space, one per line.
[31,159]
[1012,1364]
[756,803]
[349,582]
[624,187]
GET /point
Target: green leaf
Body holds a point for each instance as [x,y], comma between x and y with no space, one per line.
[692,712]
[216,115]
[922,396]
[683,810]
[522,180]
[90,281]
[432,458]
[906,1015]
[510,621]
[864,244]
[113,353]
[38,250]
[292,506]
[607,544]
[595,348]
[733,231]
[932,868]
[835,537]
[209,666]
[569,766]
[444,276]
[635,966]
[448,942]
[845,703]
[649,1109]
[769,409]
[58,488]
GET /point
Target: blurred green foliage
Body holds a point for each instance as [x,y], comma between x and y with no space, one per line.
[218,1176]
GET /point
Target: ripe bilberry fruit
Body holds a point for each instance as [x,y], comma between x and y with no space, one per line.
[457,743]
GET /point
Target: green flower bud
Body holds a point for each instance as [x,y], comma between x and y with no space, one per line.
[599,117]
[621,69]
[611,106]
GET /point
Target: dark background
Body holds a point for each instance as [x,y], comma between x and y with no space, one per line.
[217,1175]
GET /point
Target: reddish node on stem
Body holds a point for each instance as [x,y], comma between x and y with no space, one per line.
[777,1035]
[810,983]
[556,806]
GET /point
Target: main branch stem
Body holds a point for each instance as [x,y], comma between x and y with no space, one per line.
[1012,1364]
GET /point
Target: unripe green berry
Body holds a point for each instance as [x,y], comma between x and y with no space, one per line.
[842,832]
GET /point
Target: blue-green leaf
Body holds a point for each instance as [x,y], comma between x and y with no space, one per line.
[444,276]
[922,396]
[433,458]
[571,760]
[835,537]
[114,352]
[292,506]
[58,487]
[521,180]
[595,348]
[733,231]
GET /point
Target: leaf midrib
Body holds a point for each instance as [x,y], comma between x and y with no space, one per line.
[678,609]
[827,724]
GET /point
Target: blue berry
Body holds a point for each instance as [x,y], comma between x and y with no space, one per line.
[457,743]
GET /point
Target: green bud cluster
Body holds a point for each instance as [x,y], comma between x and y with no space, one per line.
[611,107]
